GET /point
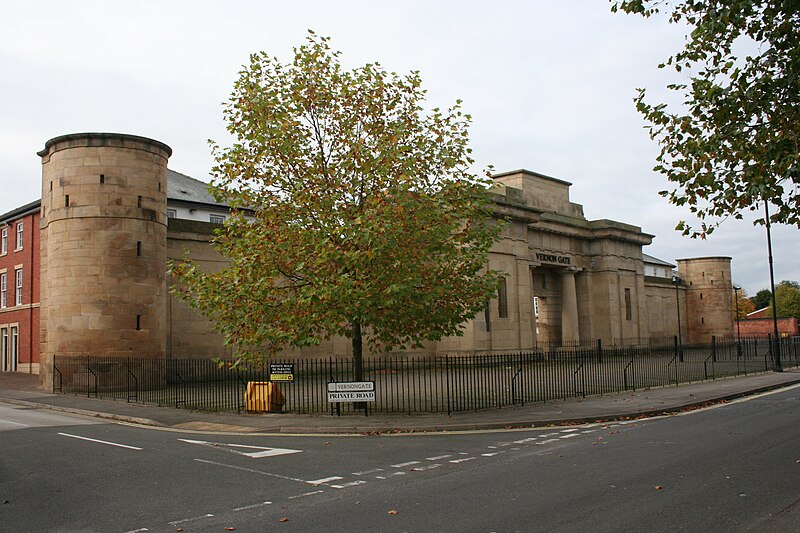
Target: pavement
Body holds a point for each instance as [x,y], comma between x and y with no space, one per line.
[23,389]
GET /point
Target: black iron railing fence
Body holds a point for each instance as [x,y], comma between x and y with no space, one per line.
[417,384]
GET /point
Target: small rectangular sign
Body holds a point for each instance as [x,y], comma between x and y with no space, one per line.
[281,371]
[351,386]
[351,396]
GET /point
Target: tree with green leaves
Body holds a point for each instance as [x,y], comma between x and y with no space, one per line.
[735,142]
[355,212]
[787,299]
[762,299]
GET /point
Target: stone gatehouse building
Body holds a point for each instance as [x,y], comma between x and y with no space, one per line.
[111,214]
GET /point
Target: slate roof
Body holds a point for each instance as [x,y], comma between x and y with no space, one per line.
[655,261]
[183,188]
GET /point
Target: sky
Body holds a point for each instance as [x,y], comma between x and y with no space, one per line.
[550,87]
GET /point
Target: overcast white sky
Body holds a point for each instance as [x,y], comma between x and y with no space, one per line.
[549,85]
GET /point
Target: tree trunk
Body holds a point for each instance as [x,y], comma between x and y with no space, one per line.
[358,357]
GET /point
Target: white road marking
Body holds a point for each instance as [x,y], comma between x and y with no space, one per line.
[568,436]
[2,421]
[588,431]
[251,470]
[176,522]
[569,430]
[101,441]
[523,441]
[401,465]
[305,494]
[364,472]
[252,506]
[397,474]
[428,467]
[140,530]
[490,454]
[350,484]
[548,441]
[264,451]
[324,480]
[380,477]
[438,457]
[463,460]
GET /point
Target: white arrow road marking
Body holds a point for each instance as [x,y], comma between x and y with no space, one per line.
[264,452]
[101,441]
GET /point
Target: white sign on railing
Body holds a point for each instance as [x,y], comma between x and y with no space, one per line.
[351,391]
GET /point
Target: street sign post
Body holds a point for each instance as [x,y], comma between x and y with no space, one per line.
[351,391]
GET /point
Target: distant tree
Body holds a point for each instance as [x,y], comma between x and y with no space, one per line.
[734,143]
[762,299]
[743,303]
[787,299]
[367,221]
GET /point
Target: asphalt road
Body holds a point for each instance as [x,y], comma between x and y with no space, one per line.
[730,468]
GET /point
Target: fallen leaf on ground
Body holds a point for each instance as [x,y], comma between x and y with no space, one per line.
[283,519]
[392,512]
[659,487]
[230,529]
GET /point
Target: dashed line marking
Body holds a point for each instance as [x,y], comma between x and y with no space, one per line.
[523,441]
[176,522]
[588,431]
[490,454]
[118,445]
[409,463]
[428,467]
[140,530]
[456,461]
[305,494]
[324,480]
[350,484]
[571,430]
[438,457]
[365,472]
[568,436]
[252,506]
[397,474]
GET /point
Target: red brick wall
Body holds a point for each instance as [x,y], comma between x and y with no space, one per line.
[25,316]
[764,326]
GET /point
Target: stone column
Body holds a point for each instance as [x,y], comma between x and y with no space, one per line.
[569,308]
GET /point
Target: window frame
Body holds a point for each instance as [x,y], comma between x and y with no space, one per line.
[20,235]
[216,219]
[4,240]
[3,290]
[18,286]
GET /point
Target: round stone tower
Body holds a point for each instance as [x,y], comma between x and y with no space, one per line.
[709,290]
[103,246]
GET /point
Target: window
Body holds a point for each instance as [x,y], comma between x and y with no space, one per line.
[216,219]
[171,213]
[19,235]
[4,241]
[536,307]
[19,286]
[487,316]
[502,299]
[628,310]
[3,290]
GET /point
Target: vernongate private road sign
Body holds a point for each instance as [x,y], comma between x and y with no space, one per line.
[351,391]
